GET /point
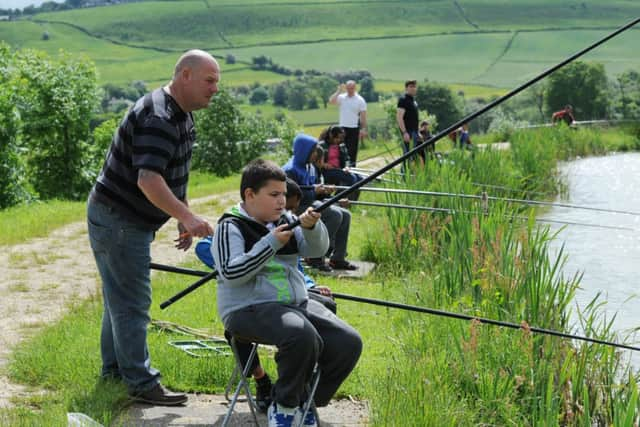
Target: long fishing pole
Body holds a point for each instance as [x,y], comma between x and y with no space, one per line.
[455,211]
[477,197]
[362,171]
[464,120]
[414,308]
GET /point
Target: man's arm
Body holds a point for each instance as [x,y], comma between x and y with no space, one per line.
[400,120]
[363,123]
[155,188]
[333,99]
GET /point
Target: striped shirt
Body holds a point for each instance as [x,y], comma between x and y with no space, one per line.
[155,135]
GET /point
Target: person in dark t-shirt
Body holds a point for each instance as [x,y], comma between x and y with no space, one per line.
[407,116]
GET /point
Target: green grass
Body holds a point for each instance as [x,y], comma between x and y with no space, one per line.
[37,219]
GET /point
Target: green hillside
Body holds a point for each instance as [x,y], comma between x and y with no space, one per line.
[472,42]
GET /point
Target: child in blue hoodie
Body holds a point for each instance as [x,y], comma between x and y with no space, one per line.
[336,219]
[262,296]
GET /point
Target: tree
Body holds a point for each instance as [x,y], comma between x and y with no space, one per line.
[626,95]
[439,100]
[280,95]
[12,183]
[582,85]
[323,86]
[259,95]
[297,96]
[56,100]
[367,90]
[230,59]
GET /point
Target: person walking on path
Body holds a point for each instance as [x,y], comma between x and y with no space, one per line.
[564,115]
[353,116]
[142,184]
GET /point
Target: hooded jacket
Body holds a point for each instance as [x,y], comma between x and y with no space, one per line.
[298,167]
[264,271]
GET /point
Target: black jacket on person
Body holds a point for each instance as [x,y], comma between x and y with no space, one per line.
[344,154]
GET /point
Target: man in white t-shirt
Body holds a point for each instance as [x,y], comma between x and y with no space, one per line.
[353,116]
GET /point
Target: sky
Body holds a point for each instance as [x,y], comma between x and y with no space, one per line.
[13,4]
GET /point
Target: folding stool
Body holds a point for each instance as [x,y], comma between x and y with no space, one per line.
[242,375]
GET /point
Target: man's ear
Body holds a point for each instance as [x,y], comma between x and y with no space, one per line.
[249,193]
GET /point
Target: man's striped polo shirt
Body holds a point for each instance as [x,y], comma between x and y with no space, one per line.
[155,135]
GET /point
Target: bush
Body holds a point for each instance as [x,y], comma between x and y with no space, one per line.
[56,100]
[259,96]
[228,140]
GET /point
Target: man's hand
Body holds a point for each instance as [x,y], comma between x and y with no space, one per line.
[184,240]
[363,133]
[196,226]
[344,203]
[405,136]
[309,218]
[323,290]
[281,234]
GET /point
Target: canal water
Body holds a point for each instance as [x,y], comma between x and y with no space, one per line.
[609,259]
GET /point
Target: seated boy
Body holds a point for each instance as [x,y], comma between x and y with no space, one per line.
[337,219]
[262,295]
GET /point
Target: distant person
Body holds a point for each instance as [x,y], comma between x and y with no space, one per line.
[353,116]
[465,139]
[336,160]
[336,219]
[566,115]
[143,183]
[424,134]
[407,116]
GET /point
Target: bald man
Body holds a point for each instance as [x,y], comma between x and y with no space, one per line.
[353,117]
[143,183]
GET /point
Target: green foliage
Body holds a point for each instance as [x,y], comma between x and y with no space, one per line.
[228,139]
[12,184]
[439,100]
[259,95]
[56,100]
[582,85]
[626,91]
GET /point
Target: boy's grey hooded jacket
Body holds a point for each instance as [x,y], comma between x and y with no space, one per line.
[265,271]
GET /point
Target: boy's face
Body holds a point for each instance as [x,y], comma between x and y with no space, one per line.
[268,203]
[293,203]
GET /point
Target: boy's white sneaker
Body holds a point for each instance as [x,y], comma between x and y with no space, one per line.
[281,416]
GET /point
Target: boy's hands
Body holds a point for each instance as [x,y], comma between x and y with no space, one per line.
[309,218]
[281,234]
[323,290]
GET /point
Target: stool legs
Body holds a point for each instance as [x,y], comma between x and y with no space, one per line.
[243,383]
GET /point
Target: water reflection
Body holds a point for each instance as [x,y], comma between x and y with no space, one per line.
[610,259]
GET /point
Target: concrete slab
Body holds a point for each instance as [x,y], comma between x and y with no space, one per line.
[495,146]
[209,410]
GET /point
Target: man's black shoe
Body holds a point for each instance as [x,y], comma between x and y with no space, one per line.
[159,395]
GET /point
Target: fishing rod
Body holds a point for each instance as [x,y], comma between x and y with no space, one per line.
[481,197]
[454,211]
[418,309]
[409,154]
[362,171]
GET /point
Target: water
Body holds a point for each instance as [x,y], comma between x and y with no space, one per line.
[609,259]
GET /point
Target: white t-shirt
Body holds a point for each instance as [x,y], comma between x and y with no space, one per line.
[350,108]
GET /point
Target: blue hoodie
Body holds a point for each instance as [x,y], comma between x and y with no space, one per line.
[298,167]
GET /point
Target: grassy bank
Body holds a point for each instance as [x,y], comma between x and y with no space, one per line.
[416,369]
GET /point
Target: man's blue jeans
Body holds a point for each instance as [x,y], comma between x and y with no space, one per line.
[122,253]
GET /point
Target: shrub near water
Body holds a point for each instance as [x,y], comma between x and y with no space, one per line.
[459,373]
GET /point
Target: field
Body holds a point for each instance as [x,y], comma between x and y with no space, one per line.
[471,43]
